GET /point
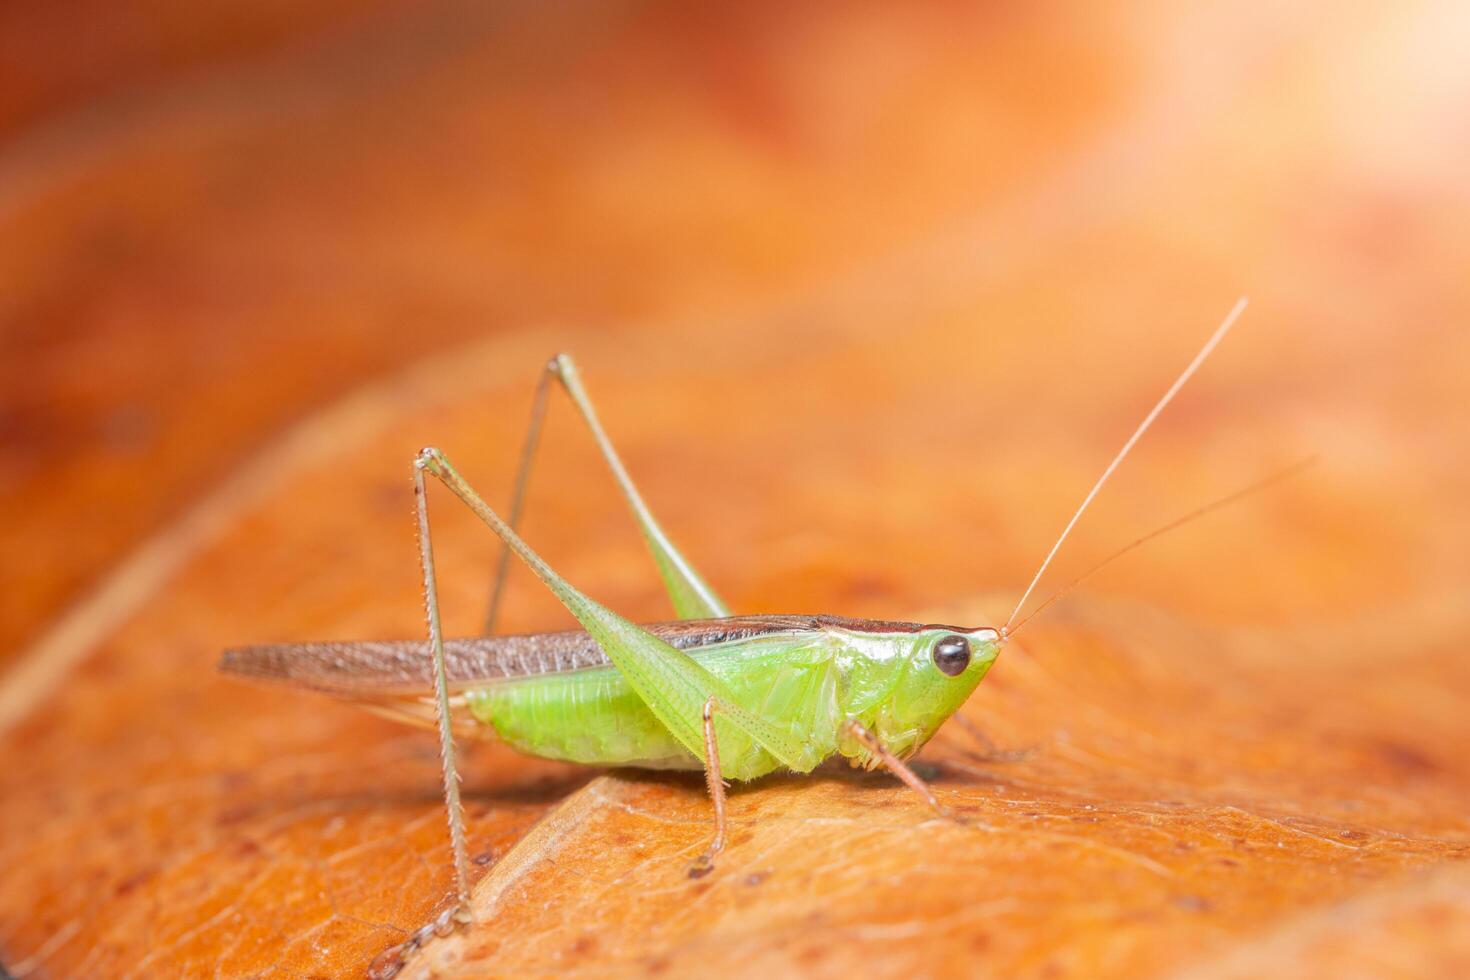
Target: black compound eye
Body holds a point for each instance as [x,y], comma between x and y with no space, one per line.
[952,655]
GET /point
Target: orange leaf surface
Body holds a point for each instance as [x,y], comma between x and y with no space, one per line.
[866,296]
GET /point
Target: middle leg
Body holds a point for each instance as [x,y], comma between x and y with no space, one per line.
[716,780]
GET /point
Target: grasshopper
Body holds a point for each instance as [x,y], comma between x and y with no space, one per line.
[735,696]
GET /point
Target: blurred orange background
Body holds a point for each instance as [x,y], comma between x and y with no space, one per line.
[867,293]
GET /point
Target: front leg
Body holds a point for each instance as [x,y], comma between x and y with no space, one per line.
[895,765]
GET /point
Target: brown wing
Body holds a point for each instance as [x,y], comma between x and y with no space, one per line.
[402,667]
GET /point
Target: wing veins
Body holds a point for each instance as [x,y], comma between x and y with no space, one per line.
[356,669]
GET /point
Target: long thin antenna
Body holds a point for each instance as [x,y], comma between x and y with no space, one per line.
[1230,498]
[1143,426]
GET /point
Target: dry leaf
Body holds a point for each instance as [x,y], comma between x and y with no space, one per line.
[857,367]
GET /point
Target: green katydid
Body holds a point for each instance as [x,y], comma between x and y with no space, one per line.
[735,696]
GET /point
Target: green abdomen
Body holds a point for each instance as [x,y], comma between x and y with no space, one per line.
[587,716]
